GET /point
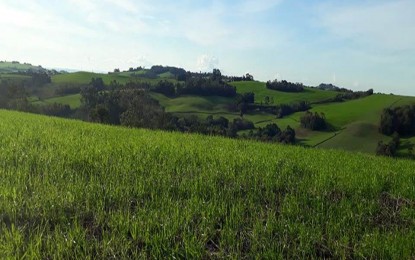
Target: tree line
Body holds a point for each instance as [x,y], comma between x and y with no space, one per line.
[398,119]
[285,86]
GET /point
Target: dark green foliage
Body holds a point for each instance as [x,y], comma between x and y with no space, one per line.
[272,133]
[248,98]
[97,83]
[206,87]
[242,124]
[313,121]
[285,86]
[346,95]
[67,89]
[288,109]
[142,111]
[243,101]
[177,72]
[287,136]
[246,77]
[390,148]
[398,119]
[39,79]
[55,109]
[165,87]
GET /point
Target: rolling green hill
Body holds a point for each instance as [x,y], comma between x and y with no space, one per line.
[85,78]
[358,121]
[74,101]
[354,122]
[12,67]
[259,89]
[73,189]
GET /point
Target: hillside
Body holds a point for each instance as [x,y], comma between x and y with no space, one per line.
[310,95]
[13,67]
[353,123]
[93,191]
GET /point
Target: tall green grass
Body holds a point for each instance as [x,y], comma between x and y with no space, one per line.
[70,189]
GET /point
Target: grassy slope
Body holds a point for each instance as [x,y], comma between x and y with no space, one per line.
[194,104]
[359,121]
[85,78]
[74,101]
[6,67]
[76,189]
[260,90]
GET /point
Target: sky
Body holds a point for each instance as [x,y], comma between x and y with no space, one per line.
[357,44]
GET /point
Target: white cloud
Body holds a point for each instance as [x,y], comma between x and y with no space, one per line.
[207,62]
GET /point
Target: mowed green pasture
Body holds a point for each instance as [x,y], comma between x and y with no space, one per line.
[78,190]
[260,90]
[85,78]
[6,67]
[366,109]
[357,121]
[194,104]
[74,101]
[13,76]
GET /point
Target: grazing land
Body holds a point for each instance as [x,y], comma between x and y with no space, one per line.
[72,188]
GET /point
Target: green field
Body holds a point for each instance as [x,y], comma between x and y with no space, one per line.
[357,121]
[78,190]
[260,90]
[85,78]
[7,67]
[194,104]
[74,101]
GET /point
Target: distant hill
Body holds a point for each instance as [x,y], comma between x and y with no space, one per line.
[353,117]
[15,67]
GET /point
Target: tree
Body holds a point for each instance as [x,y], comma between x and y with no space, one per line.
[216,75]
[313,121]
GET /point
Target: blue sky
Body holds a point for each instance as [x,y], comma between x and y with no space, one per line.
[355,44]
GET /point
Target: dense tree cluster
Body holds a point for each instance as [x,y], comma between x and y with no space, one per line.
[67,89]
[166,88]
[273,133]
[246,77]
[398,119]
[313,121]
[135,108]
[202,86]
[285,86]
[347,95]
[288,109]
[197,84]
[243,101]
[54,109]
[177,72]
[154,72]
[389,149]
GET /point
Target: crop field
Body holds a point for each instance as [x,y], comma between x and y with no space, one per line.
[279,97]
[70,189]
